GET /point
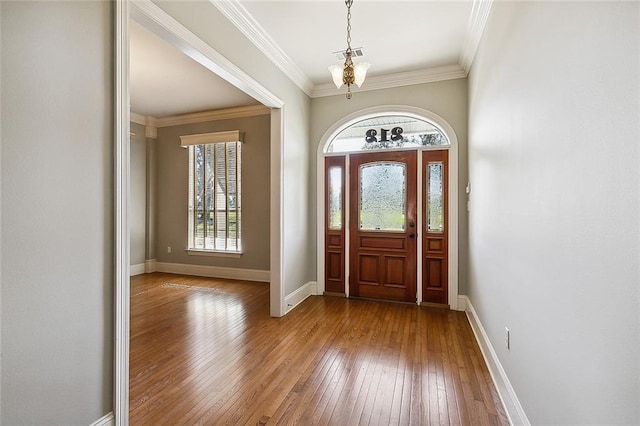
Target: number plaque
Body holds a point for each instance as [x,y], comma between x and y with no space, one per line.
[371,135]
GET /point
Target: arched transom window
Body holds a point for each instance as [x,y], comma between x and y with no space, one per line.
[387,132]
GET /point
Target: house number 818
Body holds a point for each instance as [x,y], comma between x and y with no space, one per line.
[396,135]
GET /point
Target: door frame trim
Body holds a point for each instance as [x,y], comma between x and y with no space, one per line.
[448,131]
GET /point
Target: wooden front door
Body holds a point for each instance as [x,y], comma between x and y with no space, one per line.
[383,225]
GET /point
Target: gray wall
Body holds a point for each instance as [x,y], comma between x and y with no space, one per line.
[448,99]
[172,184]
[57,232]
[555,205]
[138,206]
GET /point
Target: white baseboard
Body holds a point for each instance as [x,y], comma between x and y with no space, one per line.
[107,420]
[507,394]
[462,303]
[150,266]
[294,299]
[214,271]
[137,269]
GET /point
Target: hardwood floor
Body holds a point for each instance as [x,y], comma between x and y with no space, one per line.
[205,352]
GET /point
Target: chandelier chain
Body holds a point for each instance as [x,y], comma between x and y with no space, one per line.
[348,3]
[349,73]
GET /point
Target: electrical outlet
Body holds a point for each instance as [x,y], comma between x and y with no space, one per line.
[507,338]
[168,249]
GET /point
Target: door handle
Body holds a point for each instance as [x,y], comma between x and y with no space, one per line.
[412,235]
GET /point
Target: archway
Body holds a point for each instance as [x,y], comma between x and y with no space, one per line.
[386,116]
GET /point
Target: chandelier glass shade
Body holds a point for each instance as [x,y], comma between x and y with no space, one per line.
[349,73]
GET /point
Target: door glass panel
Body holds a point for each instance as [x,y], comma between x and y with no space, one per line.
[435,201]
[335,197]
[382,196]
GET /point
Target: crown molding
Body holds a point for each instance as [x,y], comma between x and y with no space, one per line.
[475,28]
[200,117]
[429,75]
[243,21]
[145,120]
[138,118]
[151,128]
[221,114]
[150,124]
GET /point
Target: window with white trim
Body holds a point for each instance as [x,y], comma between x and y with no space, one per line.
[214,206]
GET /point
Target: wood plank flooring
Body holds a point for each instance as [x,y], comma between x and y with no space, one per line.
[205,352]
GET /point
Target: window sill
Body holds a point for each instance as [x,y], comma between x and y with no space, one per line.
[213,253]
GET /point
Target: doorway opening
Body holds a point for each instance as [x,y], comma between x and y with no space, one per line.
[157,21]
[387,215]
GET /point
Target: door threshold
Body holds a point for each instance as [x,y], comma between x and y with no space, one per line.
[333,294]
[435,305]
[381,300]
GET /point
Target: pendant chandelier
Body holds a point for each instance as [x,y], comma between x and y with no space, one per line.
[349,73]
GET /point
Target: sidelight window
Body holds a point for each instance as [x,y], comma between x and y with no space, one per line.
[435,197]
[335,197]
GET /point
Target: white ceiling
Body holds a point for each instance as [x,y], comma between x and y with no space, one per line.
[164,82]
[399,38]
